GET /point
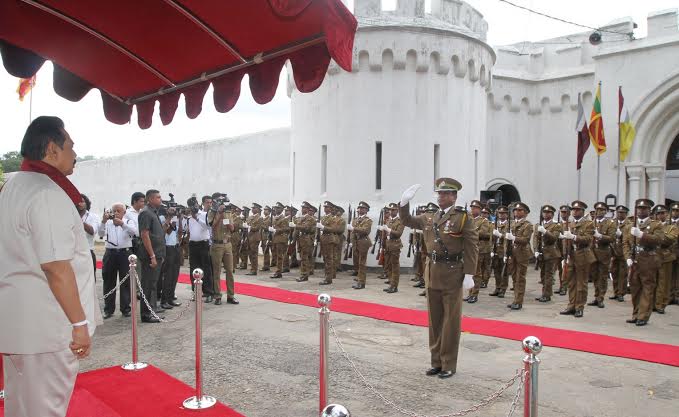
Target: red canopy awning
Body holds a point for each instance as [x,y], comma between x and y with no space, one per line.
[139,52]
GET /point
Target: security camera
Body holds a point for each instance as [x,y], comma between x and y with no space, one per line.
[595,38]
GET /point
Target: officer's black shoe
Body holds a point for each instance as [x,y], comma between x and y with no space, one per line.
[544,299]
[579,313]
[174,303]
[419,285]
[150,320]
[251,273]
[631,321]
[621,298]
[613,297]
[446,374]
[166,306]
[325,283]
[600,304]
[494,293]
[107,315]
[276,275]
[472,299]
[126,314]
[302,279]
[433,371]
[423,294]
[501,294]
[386,281]
[642,322]
[232,300]
[562,292]
[391,290]
[484,285]
[567,312]
[209,299]
[354,273]
[515,306]
[660,311]
[218,301]
[593,303]
[358,286]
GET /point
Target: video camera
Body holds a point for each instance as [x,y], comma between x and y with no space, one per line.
[192,203]
[219,199]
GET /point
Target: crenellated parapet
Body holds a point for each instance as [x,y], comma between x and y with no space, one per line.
[558,101]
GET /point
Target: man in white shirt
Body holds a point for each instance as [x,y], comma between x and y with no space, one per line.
[199,247]
[169,272]
[90,224]
[118,232]
[48,306]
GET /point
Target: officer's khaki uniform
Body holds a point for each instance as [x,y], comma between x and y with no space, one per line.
[280,240]
[521,254]
[392,250]
[603,254]
[563,278]
[329,244]
[256,223]
[361,235]
[646,264]
[674,290]
[221,254]
[485,230]
[619,263]
[235,239]
[341,223]
[580,262]
[306,233]
[266,245]
[551,255]
[501,280]
[666,254]
[444,278]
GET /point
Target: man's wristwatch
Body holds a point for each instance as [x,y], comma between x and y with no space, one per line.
[81,323]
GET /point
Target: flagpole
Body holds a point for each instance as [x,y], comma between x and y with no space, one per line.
[619,161]
[598,171]
[579,184]
[30,107]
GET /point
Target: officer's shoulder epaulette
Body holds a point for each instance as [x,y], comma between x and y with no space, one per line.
[460,209]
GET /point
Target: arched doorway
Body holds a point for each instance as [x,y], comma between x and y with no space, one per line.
[509,192]
[672,173]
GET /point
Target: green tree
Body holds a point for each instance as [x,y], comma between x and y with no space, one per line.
[11,161]
[2,177]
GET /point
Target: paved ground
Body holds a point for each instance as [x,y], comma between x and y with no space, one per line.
[261,357]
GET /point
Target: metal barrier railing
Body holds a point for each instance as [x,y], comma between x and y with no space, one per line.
[527,377]
[135,365]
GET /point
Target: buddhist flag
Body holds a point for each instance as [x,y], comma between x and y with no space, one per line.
[583,133]
[625,126]
[25,87]
[596,124]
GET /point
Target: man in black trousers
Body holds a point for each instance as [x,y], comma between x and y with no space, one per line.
[151,253]
[199,247]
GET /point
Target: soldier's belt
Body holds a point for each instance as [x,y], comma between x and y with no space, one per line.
[448,258]
[220,242]
[330,233]
[643,249]
[484,238]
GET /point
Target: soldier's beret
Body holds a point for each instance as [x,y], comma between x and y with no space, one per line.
[502,209]
[644,202]
[392,206]
[306,204]
[255,205]
[522,206]
[432,207]
[622,208]
[363,204]
[485,210]
[475,203]
[660,208]
[600,205]
[577,204]
[447,184]
[565,207]
[328,204]
[549,208]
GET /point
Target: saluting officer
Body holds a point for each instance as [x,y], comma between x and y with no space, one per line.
[453,242]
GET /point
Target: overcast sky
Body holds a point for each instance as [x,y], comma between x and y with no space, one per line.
[93,135]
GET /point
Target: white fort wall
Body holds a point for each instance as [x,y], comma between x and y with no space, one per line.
[249,168]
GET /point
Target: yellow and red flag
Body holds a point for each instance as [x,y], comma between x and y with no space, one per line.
[596,124]
[25,87]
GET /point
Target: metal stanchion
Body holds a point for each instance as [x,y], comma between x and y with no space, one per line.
[532,346]
[2,381]
[200,401]
[324,314]
[335,410]
[135,365]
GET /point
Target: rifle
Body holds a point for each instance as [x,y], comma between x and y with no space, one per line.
[567,254]
[269,236]
[507,247]
[244,240]
[318,234]
[347,250]
[540,257]
[495,238]
[380,255]
[292,241]
[377,233]
[634,250]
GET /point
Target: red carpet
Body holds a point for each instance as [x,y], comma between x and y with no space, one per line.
[561,338]
[113,392]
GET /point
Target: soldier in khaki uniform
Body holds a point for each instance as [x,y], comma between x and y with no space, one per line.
[619,270]
[564,221]
[418,265]
[266,244]
[604,236]
[305,230]
[674,287]
[666,253]
[330,232]
[545,241]
[290,257]
[360,228]
[640,246]
[339,213]
[430,211]
[578,237]
[453,242]
[254,226]
[280,230]
[392,247]
[485,230]
[386,271]
[222,223]
[519,237]
[485,213]
[245,245]
[236,235]
[498,255]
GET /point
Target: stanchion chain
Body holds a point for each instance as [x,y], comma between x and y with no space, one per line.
[520,374]
[153,312]
[120,282]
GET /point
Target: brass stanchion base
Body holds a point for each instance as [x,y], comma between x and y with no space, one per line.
[2,394]
[194,403]
[134,366]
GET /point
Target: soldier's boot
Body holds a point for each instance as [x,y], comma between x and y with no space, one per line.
[354,273]
[302,278]
[495,293]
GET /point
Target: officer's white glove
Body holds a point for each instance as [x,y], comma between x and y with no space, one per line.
[629,262]
[497,233]
[291,224]
[420,231]
[537,254]
[568,235]
[380,227]
[636,232]
[468,282]
[320,226]
[271,229]
[350,227]
[409,193]
[492,254]
[541,229]
[618,233]
[562,236]
[597,234]
[248,227]
[504,259]
[386,229]
[509,236]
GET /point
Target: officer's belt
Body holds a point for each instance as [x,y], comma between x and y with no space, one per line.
[602,245]
[331,233]
[644,249]
[449,258]
[484,238]
[220,242]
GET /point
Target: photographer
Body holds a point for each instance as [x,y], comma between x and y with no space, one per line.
[90,224]
[137,201]
[222,223]
[118,233]
[169,272]
[199,246]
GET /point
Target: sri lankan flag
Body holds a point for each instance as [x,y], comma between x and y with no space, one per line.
[25,87]
[627,131]
[596,124]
